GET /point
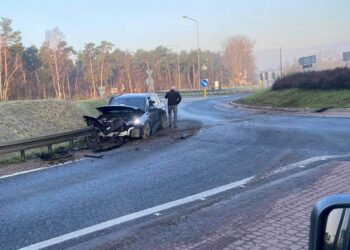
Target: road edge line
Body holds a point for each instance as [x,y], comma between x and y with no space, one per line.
[136,215]
[39,169]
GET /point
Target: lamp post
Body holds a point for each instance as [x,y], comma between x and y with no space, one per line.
[281,70]
[281,61]
[199,72]
[177,51]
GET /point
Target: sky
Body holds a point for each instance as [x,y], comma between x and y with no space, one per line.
[132,24]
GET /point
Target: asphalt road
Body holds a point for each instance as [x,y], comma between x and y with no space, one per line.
[231,145]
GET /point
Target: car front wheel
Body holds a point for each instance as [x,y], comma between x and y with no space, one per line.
[146,131]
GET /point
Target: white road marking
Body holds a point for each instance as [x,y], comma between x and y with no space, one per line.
[39,169]
[136,215]
[304,163]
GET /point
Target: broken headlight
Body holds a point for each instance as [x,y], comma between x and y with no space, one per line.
[137,121]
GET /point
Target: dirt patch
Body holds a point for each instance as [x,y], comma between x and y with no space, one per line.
[39,163]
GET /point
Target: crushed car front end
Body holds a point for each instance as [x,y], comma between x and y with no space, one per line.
[117,123]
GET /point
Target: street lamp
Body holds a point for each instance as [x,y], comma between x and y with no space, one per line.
[281,72]
[199,72]
[178,65]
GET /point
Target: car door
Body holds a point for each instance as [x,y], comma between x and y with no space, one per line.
[153,113]
[161,109]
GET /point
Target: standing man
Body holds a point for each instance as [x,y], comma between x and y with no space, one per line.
[174,98]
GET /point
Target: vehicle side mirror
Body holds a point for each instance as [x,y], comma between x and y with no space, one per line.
[330,223]
[152,107]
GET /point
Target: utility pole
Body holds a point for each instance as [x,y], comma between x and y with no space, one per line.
[281,71]
[178,71]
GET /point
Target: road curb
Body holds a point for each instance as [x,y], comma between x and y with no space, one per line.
[269,108]
[341,112]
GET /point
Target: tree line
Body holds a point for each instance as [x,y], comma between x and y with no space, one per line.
[57,70]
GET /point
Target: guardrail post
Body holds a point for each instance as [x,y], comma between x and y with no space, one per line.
[70,145]
[23,155]
[49,148]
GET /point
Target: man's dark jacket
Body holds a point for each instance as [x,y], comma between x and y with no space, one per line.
[174,97]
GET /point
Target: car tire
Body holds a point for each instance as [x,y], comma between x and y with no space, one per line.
[146,131]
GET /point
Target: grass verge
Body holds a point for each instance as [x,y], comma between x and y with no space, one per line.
[296,98]
[89,106]
[33,118]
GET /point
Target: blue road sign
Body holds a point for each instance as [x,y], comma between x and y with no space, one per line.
[205,82]
[346,56]
[307,60]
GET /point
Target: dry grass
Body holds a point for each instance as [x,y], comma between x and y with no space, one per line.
[297,98]
[32,118]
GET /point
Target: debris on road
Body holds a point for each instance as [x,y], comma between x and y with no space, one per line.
[94,156]
[322,109]
[60,153]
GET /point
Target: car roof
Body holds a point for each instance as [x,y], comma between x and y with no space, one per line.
[137,95]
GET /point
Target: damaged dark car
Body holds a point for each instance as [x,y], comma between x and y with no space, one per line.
[127,116]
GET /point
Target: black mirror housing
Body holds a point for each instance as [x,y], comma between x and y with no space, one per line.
[320,216]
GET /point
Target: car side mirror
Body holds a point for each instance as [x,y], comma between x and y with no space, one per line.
[152,107]
[330,223]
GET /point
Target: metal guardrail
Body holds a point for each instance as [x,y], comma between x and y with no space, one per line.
[211,92]
[49,140]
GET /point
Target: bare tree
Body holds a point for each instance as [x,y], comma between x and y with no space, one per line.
[238,58]
[104,50]
[10,58]
[89,60]
[55,54]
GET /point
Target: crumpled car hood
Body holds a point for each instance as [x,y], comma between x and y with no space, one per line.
[118,108]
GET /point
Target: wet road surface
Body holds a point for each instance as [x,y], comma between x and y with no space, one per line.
[230,145]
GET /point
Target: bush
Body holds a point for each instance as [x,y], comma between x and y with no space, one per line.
[335,79]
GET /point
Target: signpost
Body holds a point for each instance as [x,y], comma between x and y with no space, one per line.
[216,85]
[307,62]
[101,91]
[346,57]
[205,85]
[149,81]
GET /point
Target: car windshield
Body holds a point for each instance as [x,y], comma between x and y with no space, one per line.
[129,101]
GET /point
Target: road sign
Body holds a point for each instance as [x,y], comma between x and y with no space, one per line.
[346,56]
[307,60]
[205,82]
[102,91]
[149,81]
[216,85]
[307,66]
[245,74]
